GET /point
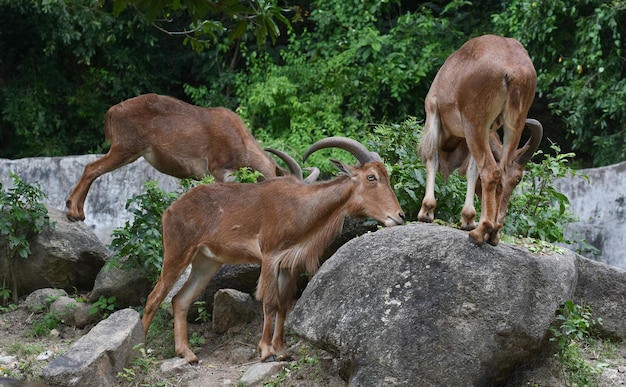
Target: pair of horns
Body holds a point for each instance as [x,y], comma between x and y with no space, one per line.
[358,150]
[362,154]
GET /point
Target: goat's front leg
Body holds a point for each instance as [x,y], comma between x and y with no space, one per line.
[468,213]
[488,227]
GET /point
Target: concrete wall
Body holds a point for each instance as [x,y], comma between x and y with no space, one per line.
[600,204]
[104,208]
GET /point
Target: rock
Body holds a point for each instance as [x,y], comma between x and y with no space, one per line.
[41,299]
[239,277]
[421,305]
[260,372]
[129,287]
[96,358]
[230,308]
[68,256]
[72,312]
[602,287]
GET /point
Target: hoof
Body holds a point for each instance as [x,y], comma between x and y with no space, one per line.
[474,240]
[284,357]
[269,359]
[72,218]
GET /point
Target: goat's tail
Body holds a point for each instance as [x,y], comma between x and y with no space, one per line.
[520,95]
[108,125]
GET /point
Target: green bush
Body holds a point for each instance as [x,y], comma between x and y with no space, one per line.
[572,333]
[537,209]
[138,244]
[22,215]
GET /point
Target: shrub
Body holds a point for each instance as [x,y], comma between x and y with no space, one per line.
[22,215]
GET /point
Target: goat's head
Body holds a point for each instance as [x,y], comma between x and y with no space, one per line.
[515,171]
[373,195]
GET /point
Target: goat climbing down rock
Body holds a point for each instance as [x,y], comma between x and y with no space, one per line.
[284,224]
[486,84]
[177,139]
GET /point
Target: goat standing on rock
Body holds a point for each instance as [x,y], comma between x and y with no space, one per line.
[284,223]
[488,83]
[177,139]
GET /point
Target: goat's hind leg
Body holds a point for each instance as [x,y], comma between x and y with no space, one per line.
[203,269]
[107,163]
[429,147]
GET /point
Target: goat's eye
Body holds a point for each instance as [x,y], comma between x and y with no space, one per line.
[371,178]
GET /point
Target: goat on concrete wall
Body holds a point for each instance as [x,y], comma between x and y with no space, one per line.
[177,139]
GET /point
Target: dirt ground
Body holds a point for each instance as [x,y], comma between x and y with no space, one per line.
[225,357]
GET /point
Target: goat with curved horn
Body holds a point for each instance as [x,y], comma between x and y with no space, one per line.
[211,225]
[487,83]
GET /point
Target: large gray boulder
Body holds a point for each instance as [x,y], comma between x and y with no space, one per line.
[67,256]
[422,305]
[96,358]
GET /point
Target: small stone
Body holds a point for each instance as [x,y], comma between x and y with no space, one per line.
[621,369]
[7,359]
[45,355]
[173,364]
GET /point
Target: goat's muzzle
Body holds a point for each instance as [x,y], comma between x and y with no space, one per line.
[394,221]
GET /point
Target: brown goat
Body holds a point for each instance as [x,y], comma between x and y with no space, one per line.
[177,139]
[284,224]
[460,159]
[488,83]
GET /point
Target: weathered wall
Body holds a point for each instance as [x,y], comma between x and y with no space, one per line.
[104,208]
[600,204]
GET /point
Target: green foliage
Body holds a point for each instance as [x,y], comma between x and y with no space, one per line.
[364,62]
[537,209]
[572,334]
[104,305]
[22,215]
[247,175]
[582,72]
[141,370]
[65,63]
[43,325]
[397,144]
[138,244]
[210,20]
[203,312]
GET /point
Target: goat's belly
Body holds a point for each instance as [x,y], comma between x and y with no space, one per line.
[232,254]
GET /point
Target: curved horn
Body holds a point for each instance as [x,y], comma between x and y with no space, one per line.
[292,164]
[536,133]
[315,174]
[356,148]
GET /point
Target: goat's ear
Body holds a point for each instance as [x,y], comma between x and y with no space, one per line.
[342,167]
